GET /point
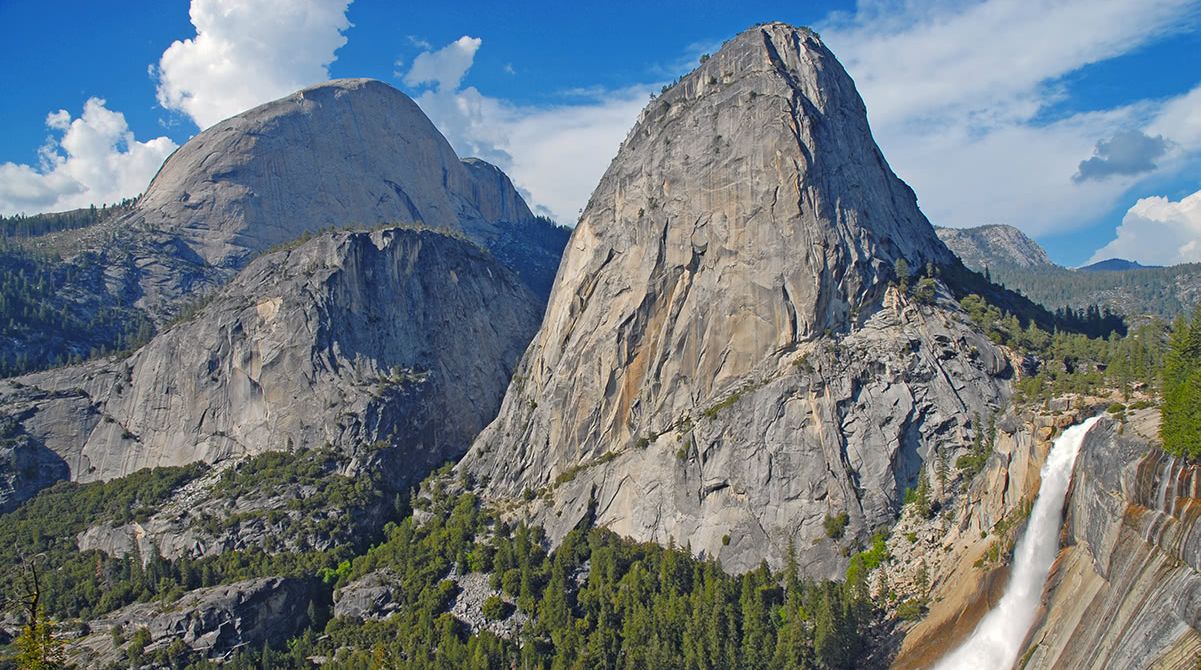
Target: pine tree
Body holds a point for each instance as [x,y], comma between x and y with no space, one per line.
[901,267]
[1180,426]
[38,646]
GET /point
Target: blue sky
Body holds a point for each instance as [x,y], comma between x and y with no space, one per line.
[1078,121]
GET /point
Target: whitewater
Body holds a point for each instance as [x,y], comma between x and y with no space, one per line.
[997,640]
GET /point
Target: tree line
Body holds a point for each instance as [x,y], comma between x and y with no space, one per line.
[1180,425]
[35,225]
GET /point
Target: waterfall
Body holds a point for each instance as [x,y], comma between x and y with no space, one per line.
[998,638]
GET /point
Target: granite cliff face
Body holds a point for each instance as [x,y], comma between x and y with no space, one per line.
[402,336]
[955,562]
[719,363]
[1125,590]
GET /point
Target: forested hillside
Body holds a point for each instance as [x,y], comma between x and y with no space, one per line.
[54,312]
[20,226]
[596,601]
[1161,292]
[1010,258]
[1181,425]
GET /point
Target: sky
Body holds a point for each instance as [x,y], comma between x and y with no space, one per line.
[1077,121]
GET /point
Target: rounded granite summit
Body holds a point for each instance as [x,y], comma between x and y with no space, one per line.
[349,151]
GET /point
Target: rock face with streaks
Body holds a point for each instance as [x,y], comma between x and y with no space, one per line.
[400,336]
[1126,591]
[25,467]
[722,361]
[955,563]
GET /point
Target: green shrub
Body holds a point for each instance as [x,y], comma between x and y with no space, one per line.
[924,292]
[919,497]
[875,555]
[510,582]
[836,525]
[495,608]
[911,609]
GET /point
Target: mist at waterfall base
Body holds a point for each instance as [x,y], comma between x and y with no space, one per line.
[997,640]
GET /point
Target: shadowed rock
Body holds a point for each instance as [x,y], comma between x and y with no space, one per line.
[213,622]
[402,336]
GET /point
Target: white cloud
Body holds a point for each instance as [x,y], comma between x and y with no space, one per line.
[96,160]
[419,42]
[1179,119]
[445,67]
[1158,231]
[560,153]
[1019,174]
[992,60]
[955,92]
[555,154]
[247,52]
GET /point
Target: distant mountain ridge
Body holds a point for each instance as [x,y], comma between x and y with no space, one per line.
[402,331]
[994,244]
[1116,265]
[342,341]
[1124,287]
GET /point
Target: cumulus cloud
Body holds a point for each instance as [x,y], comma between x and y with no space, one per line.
[957,94]
[559,153]
[445,67]
[247,52]
[1158,231]
[555,154]
[92,159]
[1129,152]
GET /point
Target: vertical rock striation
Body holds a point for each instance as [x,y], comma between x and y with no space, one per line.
[718,364]
[1126,591]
